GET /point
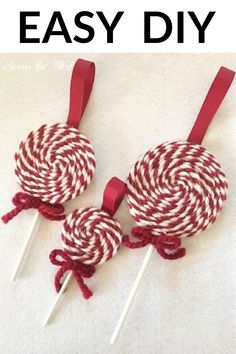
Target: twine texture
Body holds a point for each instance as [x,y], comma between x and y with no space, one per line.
[55,163]
[90,237]
[176,189]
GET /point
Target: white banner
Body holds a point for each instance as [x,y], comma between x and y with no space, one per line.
[122,26]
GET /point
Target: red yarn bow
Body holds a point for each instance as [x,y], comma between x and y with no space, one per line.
[161,243]
[24,201]
[79,270]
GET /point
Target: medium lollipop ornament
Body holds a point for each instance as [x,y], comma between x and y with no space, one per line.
[176,190]
[55,163]
[90,237]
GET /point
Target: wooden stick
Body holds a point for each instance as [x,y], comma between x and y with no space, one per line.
[25,248]
[132,294]
[58,297]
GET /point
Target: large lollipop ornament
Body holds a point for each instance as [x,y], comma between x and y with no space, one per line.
[55,163]
[176,190]
[90,237]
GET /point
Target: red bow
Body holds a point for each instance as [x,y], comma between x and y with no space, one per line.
[24,201]
[161,243]
[79,270]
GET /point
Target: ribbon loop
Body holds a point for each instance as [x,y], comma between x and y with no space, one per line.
[113,195]
[62,259]
[24,201]
[80,88]
[161,243]
[212,102]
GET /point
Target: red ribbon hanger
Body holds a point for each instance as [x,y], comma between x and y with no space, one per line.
[113,195]
[212,102]
[81,86]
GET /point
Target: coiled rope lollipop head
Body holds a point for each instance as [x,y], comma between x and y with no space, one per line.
[90,237]
[175,190]
[54,164]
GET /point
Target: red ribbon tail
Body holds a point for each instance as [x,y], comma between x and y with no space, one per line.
[11,214]
[87,293]
[134,244]
[179,253]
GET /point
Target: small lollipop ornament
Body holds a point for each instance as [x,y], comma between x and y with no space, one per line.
[176,190]
[55,163]
[90,237]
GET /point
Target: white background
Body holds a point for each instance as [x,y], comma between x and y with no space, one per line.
[138,101]
[128,36]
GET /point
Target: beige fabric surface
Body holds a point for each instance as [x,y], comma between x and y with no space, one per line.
[138,101]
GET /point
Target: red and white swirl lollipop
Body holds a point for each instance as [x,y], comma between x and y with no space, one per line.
[90,237]
[55,163]
[176,190]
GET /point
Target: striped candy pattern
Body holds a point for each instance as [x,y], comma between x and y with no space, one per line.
[55,163]
[91,236]
[176,189]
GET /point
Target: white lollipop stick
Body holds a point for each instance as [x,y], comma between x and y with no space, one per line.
[132,294]
[59,295]
[25,248]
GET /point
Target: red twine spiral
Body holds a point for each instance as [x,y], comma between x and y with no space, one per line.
[175,190]
[55,163]
[24,201]
[90,237]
